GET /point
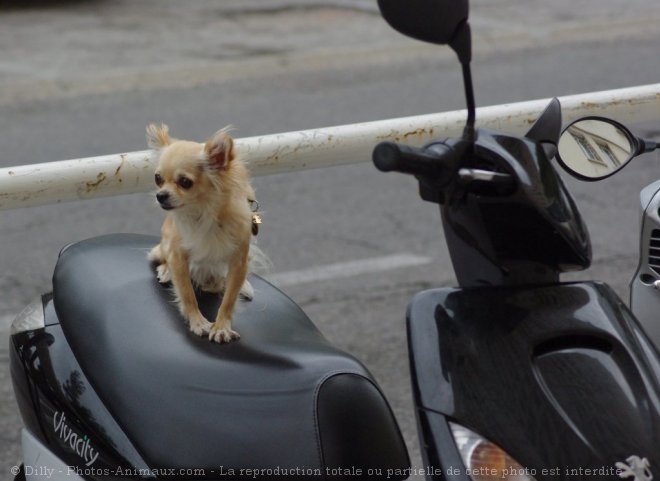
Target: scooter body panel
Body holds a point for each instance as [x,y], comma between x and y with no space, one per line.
[534,368]
[41,463]
[483,230]
[60,407]
[644,295]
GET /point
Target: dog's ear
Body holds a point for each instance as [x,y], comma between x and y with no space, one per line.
[219,149]
[158,136]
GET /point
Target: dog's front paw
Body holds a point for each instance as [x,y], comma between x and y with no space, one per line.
[163,274]
[223,334]
[199,325]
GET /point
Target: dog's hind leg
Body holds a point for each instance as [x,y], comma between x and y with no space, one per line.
[162,271]
[156,254]
[247,291]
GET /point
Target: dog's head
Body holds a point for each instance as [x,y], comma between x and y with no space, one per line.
[189,174]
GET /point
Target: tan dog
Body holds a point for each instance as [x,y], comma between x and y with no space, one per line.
[205,239]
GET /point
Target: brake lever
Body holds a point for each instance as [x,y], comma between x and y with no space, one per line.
[501,183]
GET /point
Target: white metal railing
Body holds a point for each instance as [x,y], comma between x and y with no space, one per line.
[54,182]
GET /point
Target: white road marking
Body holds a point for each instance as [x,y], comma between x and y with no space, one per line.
[342,270]
[339,270]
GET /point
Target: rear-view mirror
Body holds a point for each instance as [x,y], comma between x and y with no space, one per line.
[434,21]
[593,148]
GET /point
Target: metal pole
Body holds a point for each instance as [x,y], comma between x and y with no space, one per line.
[55,182]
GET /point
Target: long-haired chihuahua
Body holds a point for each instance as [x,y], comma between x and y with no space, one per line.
[205,238]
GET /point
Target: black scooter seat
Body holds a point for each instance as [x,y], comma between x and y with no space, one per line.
[281,397]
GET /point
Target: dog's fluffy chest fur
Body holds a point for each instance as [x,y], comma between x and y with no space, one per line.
[208,245]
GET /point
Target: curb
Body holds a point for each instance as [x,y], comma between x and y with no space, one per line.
[236,7]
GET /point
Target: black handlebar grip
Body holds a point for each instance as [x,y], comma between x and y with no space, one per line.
[389,156]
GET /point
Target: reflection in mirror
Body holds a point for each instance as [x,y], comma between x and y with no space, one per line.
[595,148]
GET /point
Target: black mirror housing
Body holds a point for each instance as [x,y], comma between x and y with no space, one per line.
[434,21]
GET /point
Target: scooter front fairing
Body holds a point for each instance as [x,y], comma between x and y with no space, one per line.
[561,377]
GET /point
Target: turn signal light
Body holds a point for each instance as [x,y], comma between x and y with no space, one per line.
[484,460]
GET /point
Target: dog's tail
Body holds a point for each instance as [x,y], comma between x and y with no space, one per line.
[259,263]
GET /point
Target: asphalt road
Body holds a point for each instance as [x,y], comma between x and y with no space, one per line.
[317,219]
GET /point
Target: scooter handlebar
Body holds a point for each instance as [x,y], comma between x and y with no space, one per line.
[432,161]
[437,163]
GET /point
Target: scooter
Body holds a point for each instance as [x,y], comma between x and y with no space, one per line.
[515,376]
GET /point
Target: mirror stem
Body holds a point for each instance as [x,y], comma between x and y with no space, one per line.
[468,132]
[646,145]
[462,45]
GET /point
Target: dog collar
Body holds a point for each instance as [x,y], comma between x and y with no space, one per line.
[256,218]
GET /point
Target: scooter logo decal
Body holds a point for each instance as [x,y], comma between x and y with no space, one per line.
[637,468]
[79,444]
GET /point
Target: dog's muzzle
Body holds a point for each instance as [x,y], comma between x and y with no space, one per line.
[163,199]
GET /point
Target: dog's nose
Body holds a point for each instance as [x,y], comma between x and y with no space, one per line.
[162,197]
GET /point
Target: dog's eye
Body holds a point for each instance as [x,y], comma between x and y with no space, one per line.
[158,179]
[185,182]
